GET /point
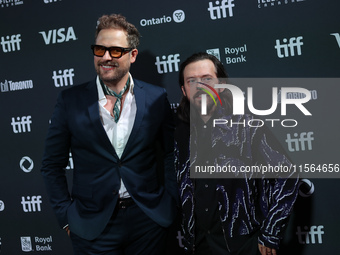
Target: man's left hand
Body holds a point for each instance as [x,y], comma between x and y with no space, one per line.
[266,250]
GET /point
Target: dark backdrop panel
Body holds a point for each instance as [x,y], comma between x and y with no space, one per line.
[45,48]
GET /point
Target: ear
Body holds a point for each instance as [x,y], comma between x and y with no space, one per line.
[183,91]
[133,55]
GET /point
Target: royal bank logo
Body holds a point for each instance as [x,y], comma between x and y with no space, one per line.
[10,3]
[215,52]
[26,243]
[236,54]
[15,85]
[271,3]
[233,55]
[178,16]
[39,243]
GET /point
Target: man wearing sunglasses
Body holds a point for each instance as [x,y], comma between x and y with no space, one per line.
[120,133]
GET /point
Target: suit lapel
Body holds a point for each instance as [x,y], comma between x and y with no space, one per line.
[140,103]
[93,109]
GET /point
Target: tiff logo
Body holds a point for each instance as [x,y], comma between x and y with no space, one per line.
[58,35]
[21,124]
[167,63]
[297,144]
[337,37]
[288,49]
[224,6]
[64,77]
[308,236]
[31,204]
[11,43]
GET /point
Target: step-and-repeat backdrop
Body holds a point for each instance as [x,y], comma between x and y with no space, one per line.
[45,48]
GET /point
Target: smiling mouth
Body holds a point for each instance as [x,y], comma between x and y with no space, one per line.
[105,67]
[108,66]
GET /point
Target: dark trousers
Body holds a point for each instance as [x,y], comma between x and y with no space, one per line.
[129,232]
[216,245]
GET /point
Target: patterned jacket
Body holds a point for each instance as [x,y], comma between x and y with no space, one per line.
[249,204]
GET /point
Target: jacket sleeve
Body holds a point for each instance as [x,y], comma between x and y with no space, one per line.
[167,140]
[277,193]
[55,159]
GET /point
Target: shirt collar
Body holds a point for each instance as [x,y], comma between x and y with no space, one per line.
[101,95]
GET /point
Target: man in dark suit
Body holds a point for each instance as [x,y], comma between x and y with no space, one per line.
[114,127]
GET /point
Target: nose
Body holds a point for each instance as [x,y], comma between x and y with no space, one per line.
[107,56]
[199,84]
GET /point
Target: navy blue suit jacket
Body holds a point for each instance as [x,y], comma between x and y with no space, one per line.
[76,127]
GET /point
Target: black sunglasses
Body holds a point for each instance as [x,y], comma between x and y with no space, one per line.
[115,52]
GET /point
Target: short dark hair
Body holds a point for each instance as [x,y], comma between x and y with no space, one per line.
[183,110]
[219,68]
[118,21]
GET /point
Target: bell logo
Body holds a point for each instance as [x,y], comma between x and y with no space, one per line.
[58,35]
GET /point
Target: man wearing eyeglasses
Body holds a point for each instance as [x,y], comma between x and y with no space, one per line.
[117,129]
[228,214]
